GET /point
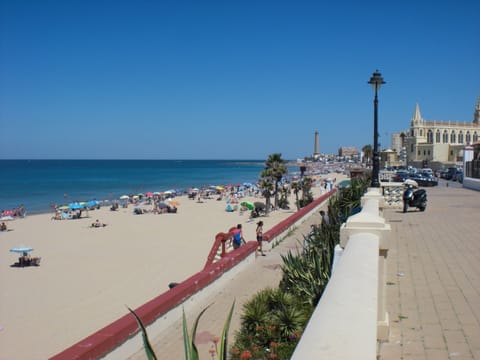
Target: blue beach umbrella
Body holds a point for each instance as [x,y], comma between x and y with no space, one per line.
[76,206]
[21,249]
[92,203]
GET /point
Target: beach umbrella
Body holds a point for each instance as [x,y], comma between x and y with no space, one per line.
[21,249]
[220,188]
[92,203]
[249,205]
[76,206]
[173,202]
[63,207]
[149,194]
[124,197]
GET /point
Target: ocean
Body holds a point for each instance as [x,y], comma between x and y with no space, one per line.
[38,184]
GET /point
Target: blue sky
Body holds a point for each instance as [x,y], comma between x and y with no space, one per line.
[227,79]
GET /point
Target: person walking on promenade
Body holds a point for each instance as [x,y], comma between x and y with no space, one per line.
[325,218]
[259,232]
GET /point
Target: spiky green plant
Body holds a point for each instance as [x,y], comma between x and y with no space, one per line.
[146,343]
[191,352]
[270,317]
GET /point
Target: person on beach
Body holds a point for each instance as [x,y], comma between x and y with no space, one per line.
[97,224]
[238,237]
[259,232]
[3,227]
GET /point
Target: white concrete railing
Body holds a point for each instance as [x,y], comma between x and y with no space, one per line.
[351,315]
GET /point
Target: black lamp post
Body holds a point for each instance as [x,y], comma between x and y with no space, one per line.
[376,80]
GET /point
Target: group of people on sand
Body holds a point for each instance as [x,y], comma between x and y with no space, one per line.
[27,260]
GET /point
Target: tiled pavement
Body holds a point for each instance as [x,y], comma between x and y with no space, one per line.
[433,291]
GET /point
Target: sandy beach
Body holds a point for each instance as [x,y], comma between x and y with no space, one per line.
[88,276]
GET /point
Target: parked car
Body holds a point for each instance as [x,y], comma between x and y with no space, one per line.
[458,176]
[450,174]
[401,176]
[424,180]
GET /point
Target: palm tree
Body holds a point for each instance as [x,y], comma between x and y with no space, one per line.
[275,169]
[266,187]
[296,187]
[367,153]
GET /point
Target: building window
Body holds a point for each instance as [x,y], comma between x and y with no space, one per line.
[411,133]
[419,153]
[411,148]
[445,137]
[421,132]
[460,138]
[468,138]
[437,137]
[453,138]
[451,152]
[424,152]
[428,152]
[430,137]
[475,137]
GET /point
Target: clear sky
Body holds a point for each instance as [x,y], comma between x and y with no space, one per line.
[227,79]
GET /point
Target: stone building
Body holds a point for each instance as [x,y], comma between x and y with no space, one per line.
[349,152]
[433,143]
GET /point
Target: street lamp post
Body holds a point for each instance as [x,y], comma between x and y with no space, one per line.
[376,81]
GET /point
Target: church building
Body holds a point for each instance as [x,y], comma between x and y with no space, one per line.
[433,143]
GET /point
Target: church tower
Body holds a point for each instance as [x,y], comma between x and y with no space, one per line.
[417,117]
[476,114]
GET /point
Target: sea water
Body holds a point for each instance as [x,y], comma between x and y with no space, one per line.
[39,184]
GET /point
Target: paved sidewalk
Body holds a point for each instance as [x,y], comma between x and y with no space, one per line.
[264,272]
[433,292]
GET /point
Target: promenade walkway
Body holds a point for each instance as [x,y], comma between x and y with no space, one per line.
[433,292]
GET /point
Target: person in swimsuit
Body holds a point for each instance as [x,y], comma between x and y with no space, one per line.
[259,232]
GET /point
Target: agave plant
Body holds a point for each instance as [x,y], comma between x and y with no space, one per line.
[191,352]
[146,343]
[304,275]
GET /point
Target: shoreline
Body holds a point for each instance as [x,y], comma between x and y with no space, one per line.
[92,273]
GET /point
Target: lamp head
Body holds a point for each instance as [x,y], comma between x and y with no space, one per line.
[376,80]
